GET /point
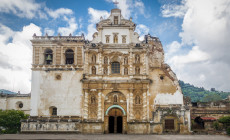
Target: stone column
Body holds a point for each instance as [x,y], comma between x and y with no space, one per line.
[99,113]
[54,55]
[144,64]
[86,63]
[85,105]
[144,105]
[130,62]
[148,95]
[41,56]
[131,117]
[100,63]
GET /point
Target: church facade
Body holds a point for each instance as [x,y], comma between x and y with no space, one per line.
[112,84]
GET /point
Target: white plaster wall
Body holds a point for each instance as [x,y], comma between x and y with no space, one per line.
[167,98]
[65,94]
[111,31]
[3,103]
[35,90]
[12,104]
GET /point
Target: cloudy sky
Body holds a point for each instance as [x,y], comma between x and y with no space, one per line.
[195,34]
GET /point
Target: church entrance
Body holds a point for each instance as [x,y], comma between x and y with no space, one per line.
[115,120]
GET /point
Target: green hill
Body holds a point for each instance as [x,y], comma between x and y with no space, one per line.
[199,94]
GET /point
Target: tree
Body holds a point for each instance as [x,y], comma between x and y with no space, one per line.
[211,98]
[10,121]
[226,122]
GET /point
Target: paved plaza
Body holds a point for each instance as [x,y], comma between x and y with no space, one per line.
[114,137]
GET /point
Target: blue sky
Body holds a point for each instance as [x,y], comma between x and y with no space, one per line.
[193,33]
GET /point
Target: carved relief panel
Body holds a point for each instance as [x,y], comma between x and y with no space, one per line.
[92,106]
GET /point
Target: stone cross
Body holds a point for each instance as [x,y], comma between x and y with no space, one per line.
[115,3]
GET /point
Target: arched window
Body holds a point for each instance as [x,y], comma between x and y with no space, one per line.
[138,100]
[115,19]
[94,70]
[53,111]
[48,57]
[105,60]
[137,58]
[94,59]
[115,98]
[69,56]
[115,38]
[93,100]
[137,71]
[105,71]
[115,67]
[126,60]
[125,71]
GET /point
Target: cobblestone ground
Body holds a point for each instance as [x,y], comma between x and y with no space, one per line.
[114,137]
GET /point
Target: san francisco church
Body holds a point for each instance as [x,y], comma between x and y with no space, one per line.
[114,83]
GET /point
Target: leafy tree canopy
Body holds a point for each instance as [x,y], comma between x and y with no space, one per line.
[10,120]
[199,94]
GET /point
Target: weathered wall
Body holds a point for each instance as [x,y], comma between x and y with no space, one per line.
[65,94]
[13,101]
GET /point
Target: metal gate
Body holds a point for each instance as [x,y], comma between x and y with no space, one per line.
[169,124]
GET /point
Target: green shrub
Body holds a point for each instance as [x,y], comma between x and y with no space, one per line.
[216,125]
[10,121]
[226,122]
[228,131]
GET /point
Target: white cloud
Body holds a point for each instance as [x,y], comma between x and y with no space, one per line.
[96,14]
[131,6]
[94,18]
[59,12]
[16,58]
[174,10]
[206,24]
[142,30]
[49,31]
[22,8]
[71,28]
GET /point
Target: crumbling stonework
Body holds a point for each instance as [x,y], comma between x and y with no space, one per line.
[112,84]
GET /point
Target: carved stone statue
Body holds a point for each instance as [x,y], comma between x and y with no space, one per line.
[126,60]
[93,70]
[137,58]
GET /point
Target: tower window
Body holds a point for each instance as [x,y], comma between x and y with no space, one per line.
[48,56]
[69,56]
[115,38]
[115,98]
[115,67]
[53,111]
[115,19]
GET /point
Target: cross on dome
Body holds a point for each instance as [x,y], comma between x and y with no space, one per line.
[116,3]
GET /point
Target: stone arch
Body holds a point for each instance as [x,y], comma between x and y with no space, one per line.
[115,106]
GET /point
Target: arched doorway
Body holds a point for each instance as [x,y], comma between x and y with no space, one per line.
[115,120]
[115,117]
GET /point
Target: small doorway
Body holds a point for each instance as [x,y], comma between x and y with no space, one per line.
[115,121]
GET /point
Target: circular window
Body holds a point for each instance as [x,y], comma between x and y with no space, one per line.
[20,105]
[58,77]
